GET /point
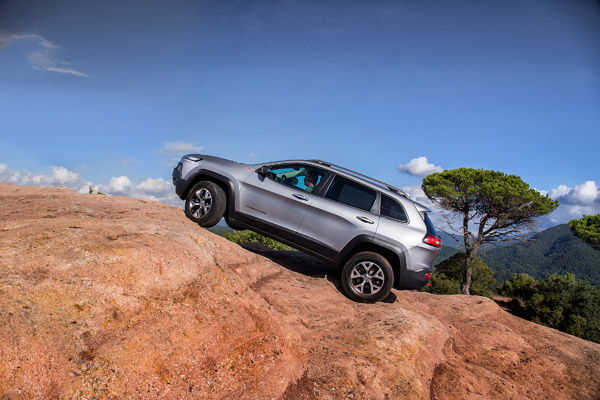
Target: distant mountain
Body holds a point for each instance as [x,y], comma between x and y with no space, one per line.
[449,247]
[554,250]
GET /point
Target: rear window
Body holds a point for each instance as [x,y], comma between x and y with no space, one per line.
[392,209]
[430,228]
[351,193]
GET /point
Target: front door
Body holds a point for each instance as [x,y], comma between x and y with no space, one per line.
[277,203]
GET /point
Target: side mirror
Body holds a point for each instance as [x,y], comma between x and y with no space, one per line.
[264,170]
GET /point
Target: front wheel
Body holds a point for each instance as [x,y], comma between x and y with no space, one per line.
[367,277]
[205,204]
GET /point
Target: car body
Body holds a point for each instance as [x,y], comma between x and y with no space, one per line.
[322,209]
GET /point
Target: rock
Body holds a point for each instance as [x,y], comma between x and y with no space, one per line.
[110,297]
[107,297]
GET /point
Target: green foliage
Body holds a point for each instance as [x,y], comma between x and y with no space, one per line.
[587,229]
[91,191]
[241,237]
[506,199]
[443,285]
[521,286]
[449,275]
[561,302]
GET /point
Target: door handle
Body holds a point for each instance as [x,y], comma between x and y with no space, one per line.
[301,197]
[365,219]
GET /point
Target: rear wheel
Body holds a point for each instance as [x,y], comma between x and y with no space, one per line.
[367,277]
[205,203]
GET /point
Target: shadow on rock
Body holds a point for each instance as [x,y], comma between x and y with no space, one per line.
[299,262]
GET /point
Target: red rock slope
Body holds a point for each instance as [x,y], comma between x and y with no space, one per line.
[108,297]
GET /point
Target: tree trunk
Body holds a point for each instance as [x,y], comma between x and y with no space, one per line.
[467,278]
[465,286]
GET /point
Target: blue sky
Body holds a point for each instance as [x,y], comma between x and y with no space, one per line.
[110,93]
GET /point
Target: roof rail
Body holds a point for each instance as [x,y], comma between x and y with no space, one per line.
[390,187]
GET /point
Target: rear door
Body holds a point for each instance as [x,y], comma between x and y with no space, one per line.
[278,202]
[342,214]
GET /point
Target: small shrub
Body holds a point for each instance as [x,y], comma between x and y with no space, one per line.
[243,237]
[449,274]
[520,286]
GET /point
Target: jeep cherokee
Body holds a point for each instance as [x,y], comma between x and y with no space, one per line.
[374,231]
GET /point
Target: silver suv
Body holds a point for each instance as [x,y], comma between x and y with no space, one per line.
[380,237]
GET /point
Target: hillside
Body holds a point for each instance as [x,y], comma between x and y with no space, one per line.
[109,297]
[554,250]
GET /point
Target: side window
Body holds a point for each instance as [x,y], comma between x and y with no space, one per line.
[351,193]
[303,177]
[392,209]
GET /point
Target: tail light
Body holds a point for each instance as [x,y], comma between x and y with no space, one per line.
[433,240]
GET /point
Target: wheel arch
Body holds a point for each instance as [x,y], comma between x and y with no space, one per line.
[224,183]
[393,254]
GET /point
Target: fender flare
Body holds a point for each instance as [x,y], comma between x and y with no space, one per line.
[398,265]
[195,177]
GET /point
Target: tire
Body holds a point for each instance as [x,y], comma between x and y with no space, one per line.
[367,277]
[205,204]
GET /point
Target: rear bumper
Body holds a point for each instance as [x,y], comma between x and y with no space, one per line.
[415,280]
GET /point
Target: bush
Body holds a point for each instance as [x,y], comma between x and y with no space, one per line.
[448,277]
[242,237]
[560,302]
[520,286]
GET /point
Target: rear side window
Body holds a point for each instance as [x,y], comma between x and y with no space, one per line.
[392,209]
[351,193]
[430,228]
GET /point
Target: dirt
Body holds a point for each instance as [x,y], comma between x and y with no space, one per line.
[110,297]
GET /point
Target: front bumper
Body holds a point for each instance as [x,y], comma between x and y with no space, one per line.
[176,174]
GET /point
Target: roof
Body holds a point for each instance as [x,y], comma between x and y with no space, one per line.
[365,177]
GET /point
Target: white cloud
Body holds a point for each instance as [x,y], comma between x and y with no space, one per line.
[157,189]
[419,167]
[63,176]
[60,176]
[585,194]
[120,184]
[156,186]
[417,194]
[46,57]
[179,148]
[583,199]
[555,193]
